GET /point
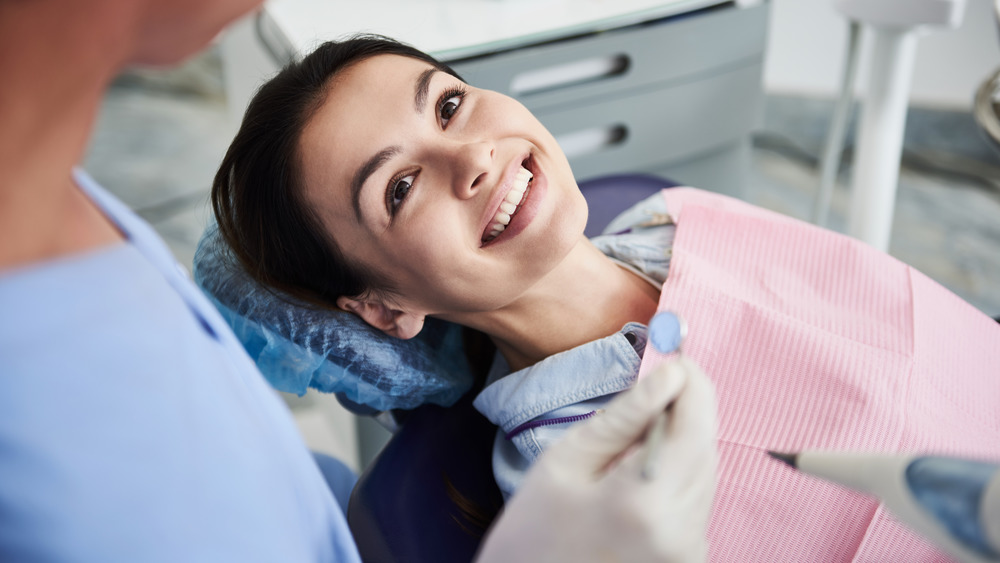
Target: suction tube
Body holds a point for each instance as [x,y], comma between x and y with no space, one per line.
[953,502]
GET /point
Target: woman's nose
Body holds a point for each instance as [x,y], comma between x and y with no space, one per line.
[472,165]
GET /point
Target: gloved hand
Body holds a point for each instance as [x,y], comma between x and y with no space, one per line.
[584,499]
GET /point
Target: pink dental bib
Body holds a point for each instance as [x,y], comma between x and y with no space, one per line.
[817,341]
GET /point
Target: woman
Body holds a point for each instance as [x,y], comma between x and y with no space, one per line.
[398,177]
[408,193]
[369,177]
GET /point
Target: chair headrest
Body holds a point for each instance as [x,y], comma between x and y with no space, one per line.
[297,345]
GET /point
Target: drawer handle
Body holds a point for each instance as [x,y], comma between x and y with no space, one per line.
[568,74]
[589,141]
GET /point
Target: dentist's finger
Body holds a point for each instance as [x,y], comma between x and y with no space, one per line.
[693,415]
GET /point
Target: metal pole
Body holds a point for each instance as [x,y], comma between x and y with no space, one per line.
[880,135]
[830,163]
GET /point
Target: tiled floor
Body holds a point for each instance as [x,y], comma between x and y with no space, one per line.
[161,134]
[158,141]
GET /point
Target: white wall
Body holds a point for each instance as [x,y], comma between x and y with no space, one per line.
[808,39]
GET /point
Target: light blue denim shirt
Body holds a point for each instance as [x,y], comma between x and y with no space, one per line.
[533,407]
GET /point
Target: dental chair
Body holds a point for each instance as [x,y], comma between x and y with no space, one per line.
[429,495]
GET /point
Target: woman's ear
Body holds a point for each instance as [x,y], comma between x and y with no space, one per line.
[394,322]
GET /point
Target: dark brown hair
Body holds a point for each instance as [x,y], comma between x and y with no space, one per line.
[258,194]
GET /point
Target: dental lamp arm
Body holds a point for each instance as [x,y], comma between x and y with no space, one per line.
[584,499]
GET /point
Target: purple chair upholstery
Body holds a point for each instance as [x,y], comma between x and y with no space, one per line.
[608,196]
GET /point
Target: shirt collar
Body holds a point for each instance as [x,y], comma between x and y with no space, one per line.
[601,367]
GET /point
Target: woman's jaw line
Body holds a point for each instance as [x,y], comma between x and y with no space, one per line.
[521,327]
[509,212]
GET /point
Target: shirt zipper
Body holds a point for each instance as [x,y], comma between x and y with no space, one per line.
[550,421]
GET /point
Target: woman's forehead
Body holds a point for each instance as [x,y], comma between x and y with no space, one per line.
[383,86]
[368,107]
[380,69]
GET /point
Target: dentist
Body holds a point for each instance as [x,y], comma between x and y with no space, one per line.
[133,427]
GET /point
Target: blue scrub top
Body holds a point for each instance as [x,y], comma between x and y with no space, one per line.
[133,426]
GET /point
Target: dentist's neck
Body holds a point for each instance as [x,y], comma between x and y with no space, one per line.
[53,87]
[585,298]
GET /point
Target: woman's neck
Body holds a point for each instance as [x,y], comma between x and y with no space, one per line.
[588,296]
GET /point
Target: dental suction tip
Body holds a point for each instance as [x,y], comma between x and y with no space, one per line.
[789,459]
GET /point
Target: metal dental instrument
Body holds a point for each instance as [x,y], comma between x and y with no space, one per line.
[666,333]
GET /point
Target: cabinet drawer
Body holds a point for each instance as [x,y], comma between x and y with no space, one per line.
[655,128]
[595,66]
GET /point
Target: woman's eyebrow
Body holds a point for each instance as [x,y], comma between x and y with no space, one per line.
[420,92]
[365,172]
[374,163]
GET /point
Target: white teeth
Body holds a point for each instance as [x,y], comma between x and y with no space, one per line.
[520,184]
[510,204]
[514,196]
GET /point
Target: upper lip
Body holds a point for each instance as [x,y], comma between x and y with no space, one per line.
[500,192]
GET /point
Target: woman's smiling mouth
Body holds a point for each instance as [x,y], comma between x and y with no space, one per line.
[510,205]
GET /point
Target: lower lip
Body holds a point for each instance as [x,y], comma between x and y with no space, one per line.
[526,212]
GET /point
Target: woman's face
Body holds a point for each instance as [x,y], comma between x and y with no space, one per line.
[412,172]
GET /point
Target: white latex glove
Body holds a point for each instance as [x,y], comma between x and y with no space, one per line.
[584,499]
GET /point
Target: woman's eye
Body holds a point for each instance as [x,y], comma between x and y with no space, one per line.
[448,109]
[398,191]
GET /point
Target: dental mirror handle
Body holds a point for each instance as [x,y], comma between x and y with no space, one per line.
[667,331]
